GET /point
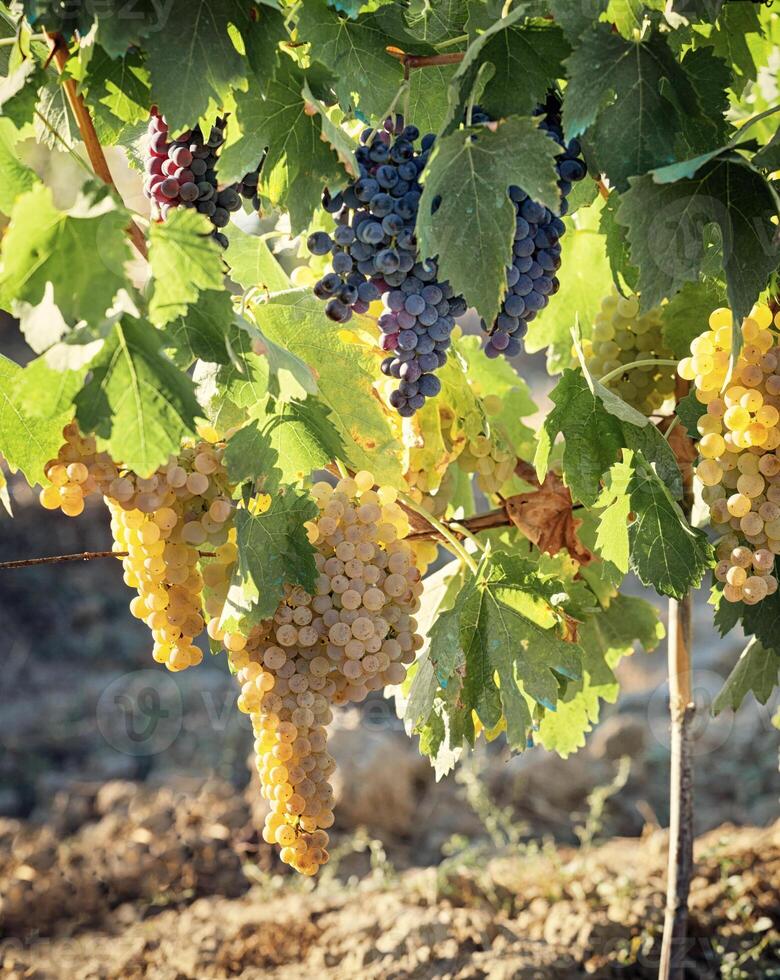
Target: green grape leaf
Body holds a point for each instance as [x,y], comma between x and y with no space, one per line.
[262,37]
[345,372]
[367,78]
[690,410]
[185,261]
[527,58]
[635,97]
[594,436]
[501,635]
[19,88]
[433,21]
[605,638]
[195,75]
[27,442]
[710,76]
[664,550]
[756,671]
[299,162]
[585,279]
[118,90]
[616,244]
[43,392]
[768,157]
[612,543]
[291,377]
[576,18]
[687,314]
[252,263]
[729,40]
[230,393]
[137,403]
[441,666]
[300,434]
[667,224]
[340,141]
[203,331]
[273,550]
[461,169]
[82,257]
[249,455]
[15,178]
[762,621]
[496,652]
[428,100]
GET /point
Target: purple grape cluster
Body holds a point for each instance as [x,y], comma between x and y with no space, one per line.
[531,279]
[374,254]
[182,172]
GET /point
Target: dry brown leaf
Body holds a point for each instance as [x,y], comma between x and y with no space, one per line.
[545,517]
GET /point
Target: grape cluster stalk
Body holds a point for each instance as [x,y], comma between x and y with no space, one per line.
[531,278]
[181,171]
[373,253]
[621,336]
[739,438]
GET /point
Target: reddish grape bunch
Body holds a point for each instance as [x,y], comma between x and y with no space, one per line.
[182,172]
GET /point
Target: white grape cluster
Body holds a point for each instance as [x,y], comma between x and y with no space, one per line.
[739,439]
[355,634]
[621,335]
[163,523]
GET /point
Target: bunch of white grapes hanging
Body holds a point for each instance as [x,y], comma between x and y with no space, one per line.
[623,335]
[739,439]
[161,524]
[531,278]
[373,253]
[353,634]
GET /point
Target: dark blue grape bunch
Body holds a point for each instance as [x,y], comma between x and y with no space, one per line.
[531,278]
[373,252]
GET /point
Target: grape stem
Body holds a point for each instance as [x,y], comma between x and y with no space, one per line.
[424,60]
[60,54]
[455,546]
[81,556]
[6,42]
[461,529]
[646,362]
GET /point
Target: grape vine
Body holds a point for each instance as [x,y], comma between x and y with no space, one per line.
[610,198]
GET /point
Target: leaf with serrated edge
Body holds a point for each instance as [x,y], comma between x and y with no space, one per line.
[467,171]
[298,162]
[666,224]
[756,671]
[137,403]
[185,261]
[196,74]
[605,638]
[273,551]
[82,257]
[295,320]
[666,552]
[595,429]
[252,263]
[27,443]
[527,59]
